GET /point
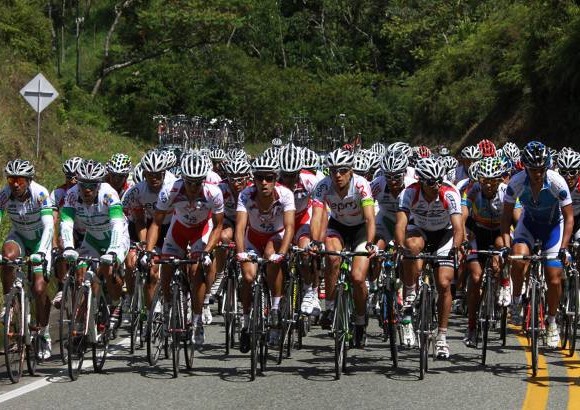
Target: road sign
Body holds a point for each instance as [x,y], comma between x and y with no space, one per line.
[39,93]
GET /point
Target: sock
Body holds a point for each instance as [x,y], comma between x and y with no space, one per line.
[518,300]
[206,299]
[442,334]
[196,319]
[276,302]
[551,319]
[359,320]
[330,305]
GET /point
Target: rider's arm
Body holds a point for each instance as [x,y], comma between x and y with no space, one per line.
[56,233]
[288,231]
[400,227]
[316,222]
[458,229]
[506,222]
[241,223]
[369,216]
[140,226]
[153,231]
[568,214]
[118,229]
[67,217]
[216,232]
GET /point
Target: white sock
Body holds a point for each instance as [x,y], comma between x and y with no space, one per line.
[551,319]
[206,299]
[196,319]
[442,334]
[276,302]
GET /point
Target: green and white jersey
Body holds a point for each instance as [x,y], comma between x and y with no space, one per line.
[105,224]
[32,219]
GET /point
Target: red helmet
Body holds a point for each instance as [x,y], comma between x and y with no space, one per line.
[487,148]
[348,147]
[423,151]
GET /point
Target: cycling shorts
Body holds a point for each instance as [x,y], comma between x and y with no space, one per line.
[550,235]
[482,239]
[440,241]
[257,241]
[179,237]
[28,247]
[350,236]
[94,248]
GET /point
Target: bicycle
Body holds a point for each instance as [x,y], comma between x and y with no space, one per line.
[156,335]
[343,321]
[21,333]
[137,311]
[228,291]
[66,309]
[570,301]
[425,308]
[488,311]
[181,314]
[89,324]
[535,300]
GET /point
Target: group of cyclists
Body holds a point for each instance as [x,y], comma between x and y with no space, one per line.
[406,198]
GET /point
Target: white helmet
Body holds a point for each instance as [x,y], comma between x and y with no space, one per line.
[429,168]
[311,160]
[138,173]
[217,154]
[154,161]
[238,166]
[19,168]
[71,165]
[170,158]
[568,159]
[395,162]
[374,160]
[471,152]
[361,163]
[236,153]
[91,171]
[449,163]
[511,151]
[400,146]
[473,171]
[265,164]
[379,148]
[340,158]
[277,142]
[195,166]
[290,158]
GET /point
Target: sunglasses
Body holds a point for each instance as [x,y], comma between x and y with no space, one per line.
[568,172]
[18,180]
[155,175]
[237,180]
[265,177]
[340,170]
[289,175]
[88,185]
[194,181]
[70,176]
[396,177]
[118,176]
[432,182]
[490,181]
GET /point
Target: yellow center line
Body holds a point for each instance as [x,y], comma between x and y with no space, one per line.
[572,365]
[539,386]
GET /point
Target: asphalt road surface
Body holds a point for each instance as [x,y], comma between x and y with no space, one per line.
[307,379]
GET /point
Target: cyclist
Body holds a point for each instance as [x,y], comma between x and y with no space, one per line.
[311,163]
[483,204]
[351,223]
[140,202]
[361,164]
[264,225]
[29,208]
[429,215]
[302,185]
[216,174]
[468,156]
[487,148]
[118,169]
[96,206]
[57,197]
[197,209]
[569,166]
[547,216]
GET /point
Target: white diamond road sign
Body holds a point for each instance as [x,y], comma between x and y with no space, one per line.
[39,93]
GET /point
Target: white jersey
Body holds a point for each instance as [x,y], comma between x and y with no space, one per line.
[213,177]
[348,210]
[387,202]
[103,219]
[272,220]
[302,193]
[191,213]
[140,198]
[32,219]
[434,215]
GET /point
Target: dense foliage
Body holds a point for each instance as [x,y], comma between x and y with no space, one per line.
[435,70]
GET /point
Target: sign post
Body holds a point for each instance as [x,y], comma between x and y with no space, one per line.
[39,93]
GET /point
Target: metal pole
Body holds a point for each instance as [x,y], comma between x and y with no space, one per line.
[38,121]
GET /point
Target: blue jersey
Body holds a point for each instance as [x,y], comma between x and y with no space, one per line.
[546,209]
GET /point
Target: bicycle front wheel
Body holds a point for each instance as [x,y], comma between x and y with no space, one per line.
[424,330]
[286,313]
[340,330]
[14,335]
[175,328]
[155,337]
[390,320]
[101,341]
[64,318]
[534,326]
[230,305]
[77,334]
[573,301]
[254,332]
[136,324]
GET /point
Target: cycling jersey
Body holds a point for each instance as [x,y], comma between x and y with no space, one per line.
[575,194]
[271,220]
[486,213]
[348,210]
[546,208]
[434,215]
[104,221]
[460,174]
[388,203]
[32,220]
[140,199]
[188,213]
[58,196]
[463,185]
[213,177]
[302,192]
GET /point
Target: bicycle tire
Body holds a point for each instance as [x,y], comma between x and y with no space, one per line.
[264,329]
[574,298]
[155,336]
[339,330]
[503,325]
[175,325]
[135,315]
[101,342]
[254,334]
[228,312]
[14,335]
[284,344]
[534,301]
[77,335]
[188,343]
[64,317]
[391,324]
[424,320]
[31,354]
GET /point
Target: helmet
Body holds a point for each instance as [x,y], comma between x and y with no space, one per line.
[340,158]
[217,154]
[236,153]
[429,168]
[379,148]
[19,168]
[170,158]
[568,159]
[422,151]
[511,151]
[265,164]
[119,164]
[290,159]
[311,160]
[361,163]
[238,166]
[91,171]
[374,159]
[271,152]
[154,161]
[71,165]
[195,166]
[444,151]
[449,163]
[487,148]
[400,146]
[472,171]
[490,167]
[277,142]
[536,155]
[138,173]
[471,152]
[499,152]
[395,162]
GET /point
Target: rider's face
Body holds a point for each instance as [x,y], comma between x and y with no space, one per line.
[340,176]
[536,174]
[265,183]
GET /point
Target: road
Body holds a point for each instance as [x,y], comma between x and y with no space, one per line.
[220,381]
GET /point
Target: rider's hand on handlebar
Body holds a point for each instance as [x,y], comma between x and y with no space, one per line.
[242,256]
[371,248]
[70,255]
[37,258]
[276,258]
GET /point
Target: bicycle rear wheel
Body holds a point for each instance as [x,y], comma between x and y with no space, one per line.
[254,332]
[101,342]
[175,326]
[77,334]
[424,326]
[155,337]
[573,301]
[14,335]
[534,326]
[339,328]
[64,318]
